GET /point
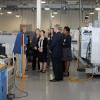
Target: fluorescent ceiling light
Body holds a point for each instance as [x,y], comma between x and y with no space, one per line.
[1,13]
[52,16]
[87,16]
[97,8]
[9,12]
[64,8]
[17,16]
[33,9]
[91,13]
[43,2]
[47,8]
[0,8]
[55,12]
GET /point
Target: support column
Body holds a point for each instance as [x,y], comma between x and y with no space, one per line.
[97,22]
[39,13]
[99,16]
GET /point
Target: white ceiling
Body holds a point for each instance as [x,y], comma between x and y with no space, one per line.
[52,3]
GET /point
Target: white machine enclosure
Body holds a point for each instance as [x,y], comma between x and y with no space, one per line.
[95,48]
[86,33]
[75,42]
[95,51]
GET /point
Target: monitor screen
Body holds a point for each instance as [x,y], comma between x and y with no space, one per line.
[2,50]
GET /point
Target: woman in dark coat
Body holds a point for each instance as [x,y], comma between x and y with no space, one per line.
[67,54]
[42,49]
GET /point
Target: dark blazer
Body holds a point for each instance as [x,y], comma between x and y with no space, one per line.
[66,41]
[56,45]
[45,43]
[34,40]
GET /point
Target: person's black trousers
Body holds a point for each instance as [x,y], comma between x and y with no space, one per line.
[34,61]
[63,64]
[57,69]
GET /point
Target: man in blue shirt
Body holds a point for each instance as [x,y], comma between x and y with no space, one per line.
[18,52]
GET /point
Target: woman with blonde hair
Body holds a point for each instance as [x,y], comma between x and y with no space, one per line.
[42,51]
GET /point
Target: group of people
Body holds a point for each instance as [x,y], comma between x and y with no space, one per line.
[56,46]
[40,50]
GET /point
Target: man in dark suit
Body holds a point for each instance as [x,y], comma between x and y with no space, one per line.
[35,49]
[56,48]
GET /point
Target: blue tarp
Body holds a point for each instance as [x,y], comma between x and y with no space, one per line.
[18,43]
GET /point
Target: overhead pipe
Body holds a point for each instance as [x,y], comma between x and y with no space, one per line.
[52,6]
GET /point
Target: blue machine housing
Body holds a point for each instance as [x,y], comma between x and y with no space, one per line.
[3,84]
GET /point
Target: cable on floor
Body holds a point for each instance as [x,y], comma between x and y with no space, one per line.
[19,89]
[13,96]
[22,91]
[76,79]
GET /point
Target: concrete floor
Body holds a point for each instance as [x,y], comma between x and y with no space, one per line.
[39,88]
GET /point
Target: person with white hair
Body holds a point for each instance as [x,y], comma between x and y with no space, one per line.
[56,49]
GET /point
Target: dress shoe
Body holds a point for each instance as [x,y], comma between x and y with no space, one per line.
[54,80]
[66,74]
[44,71]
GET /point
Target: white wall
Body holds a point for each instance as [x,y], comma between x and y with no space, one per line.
[70,18]
[11,23]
